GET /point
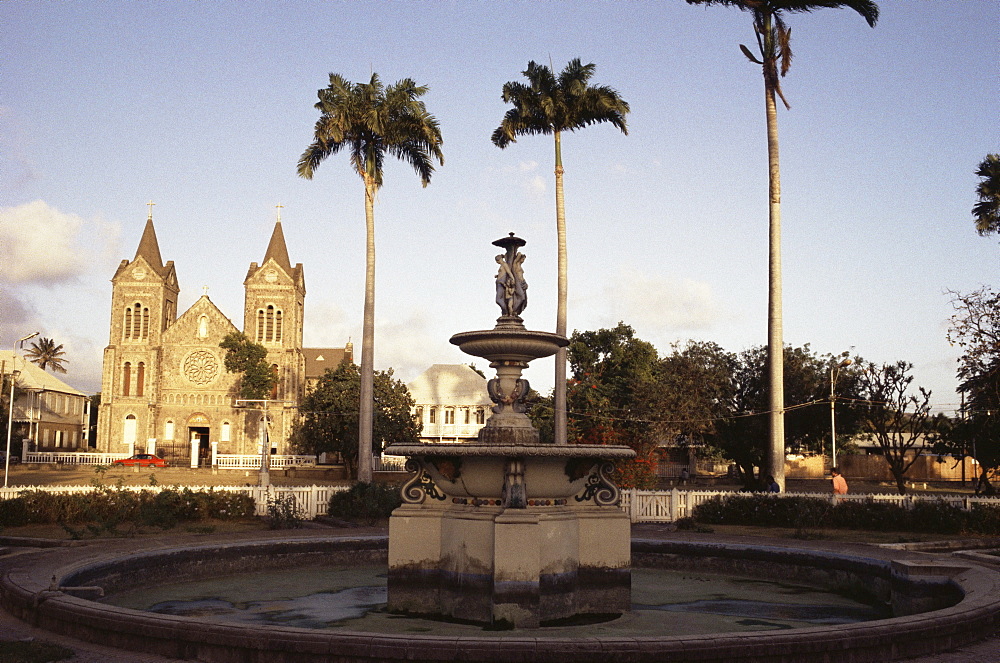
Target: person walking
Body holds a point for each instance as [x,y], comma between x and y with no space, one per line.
[839,482]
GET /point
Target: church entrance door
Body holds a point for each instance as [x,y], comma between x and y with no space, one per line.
[201,433]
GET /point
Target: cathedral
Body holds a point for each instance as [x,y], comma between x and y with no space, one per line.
[165,389]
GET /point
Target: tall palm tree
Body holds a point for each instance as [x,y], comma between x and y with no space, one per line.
[987,210]
[47,354]
[774,55]
[550,105]
[371,121]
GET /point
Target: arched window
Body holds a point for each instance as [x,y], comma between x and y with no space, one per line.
[140,378]
[168,430]
[277,326]
[127,327]
[203,326]
[274,389]
[260,325]
[269,324]
[129,430]
[144,332]
[226,432]
[126,379]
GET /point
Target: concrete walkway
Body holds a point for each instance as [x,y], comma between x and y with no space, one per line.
[12,629]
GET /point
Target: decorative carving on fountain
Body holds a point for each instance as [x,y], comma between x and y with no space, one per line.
[600,487]
[512,289]
[420,486]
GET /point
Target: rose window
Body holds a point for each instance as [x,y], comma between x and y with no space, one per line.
[201,367]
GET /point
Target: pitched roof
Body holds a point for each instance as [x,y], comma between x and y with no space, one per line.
[449,384]
[149,248]
[33,377]
[320,359]
[277,250]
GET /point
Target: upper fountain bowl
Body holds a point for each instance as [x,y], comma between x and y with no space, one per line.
[509,344]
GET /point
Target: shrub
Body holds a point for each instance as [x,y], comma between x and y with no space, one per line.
[365,502]
[763,510]
[283,512]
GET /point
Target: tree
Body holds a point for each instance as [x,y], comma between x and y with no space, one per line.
[330,415]
[774,47]
[612,371]
[549,105]
[372,121]
[975,328]
[249,360]
[987,209]
[47,354]
[743,434]
[898,420]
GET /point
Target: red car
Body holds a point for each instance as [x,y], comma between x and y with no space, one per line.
[149,460]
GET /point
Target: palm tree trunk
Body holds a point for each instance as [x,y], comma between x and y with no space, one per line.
[560,378]
[775,343]
[367,341]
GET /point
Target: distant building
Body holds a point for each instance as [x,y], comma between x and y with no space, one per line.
[320,360]
[451,403]
[165,388]
[49,414]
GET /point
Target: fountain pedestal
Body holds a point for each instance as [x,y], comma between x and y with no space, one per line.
[507,529]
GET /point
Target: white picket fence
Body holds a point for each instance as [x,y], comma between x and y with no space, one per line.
[312,501]
[225,461]
[666,506]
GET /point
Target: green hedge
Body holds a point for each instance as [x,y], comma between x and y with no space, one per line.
[926,516]
[365,502]
[115,506]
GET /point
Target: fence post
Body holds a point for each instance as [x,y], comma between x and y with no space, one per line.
[675,496]
[633,505]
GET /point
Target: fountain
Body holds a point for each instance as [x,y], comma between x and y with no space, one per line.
[507,529]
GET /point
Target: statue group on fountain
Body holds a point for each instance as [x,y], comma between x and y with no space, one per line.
[512,289]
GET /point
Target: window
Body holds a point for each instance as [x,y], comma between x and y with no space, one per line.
[129,430]
[136,322]
[432,416]
[126,379]
[468,416]
[420,415]
[140,378]
[449,416]
[226,428]
[203,326]
[59,439]
[168,430]
[260,325]
[480,416]
[277,326]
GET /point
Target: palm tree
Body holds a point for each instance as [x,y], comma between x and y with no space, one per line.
[550,105]
[987,210]
[774,47]
[371,120]
[47,354]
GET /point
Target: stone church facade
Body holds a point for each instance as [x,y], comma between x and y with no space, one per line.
[165,388]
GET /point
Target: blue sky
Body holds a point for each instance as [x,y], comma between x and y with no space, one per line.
[205,107]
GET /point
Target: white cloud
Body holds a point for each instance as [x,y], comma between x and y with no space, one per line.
[38,244]
[665,303]
[528,166]
[536,185]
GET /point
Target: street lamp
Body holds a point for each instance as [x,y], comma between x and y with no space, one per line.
[834,370]
[10,415]
[265,447]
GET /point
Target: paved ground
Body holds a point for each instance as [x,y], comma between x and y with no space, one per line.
[12,629]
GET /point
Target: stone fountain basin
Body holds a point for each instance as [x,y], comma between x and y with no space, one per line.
[509,344]
[476,470]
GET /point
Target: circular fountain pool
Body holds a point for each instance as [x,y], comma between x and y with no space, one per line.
[960,600]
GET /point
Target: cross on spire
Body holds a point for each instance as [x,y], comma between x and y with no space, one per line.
[204,290]
[150,204]
[279,207]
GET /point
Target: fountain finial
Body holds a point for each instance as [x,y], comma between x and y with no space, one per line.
[512,289]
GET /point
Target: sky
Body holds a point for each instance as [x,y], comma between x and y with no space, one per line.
[205,107]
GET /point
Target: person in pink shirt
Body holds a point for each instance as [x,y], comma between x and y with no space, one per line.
[839,483]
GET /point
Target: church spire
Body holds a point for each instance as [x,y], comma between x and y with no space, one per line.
[276,247]
[149,248]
